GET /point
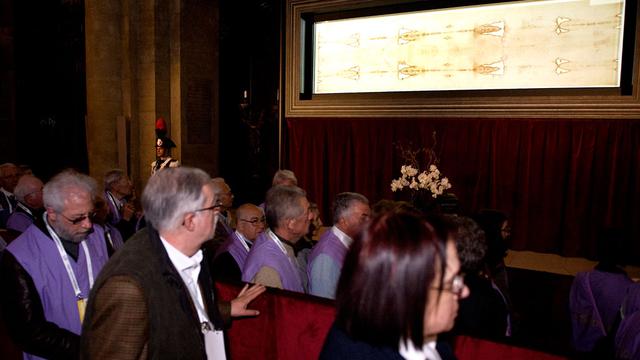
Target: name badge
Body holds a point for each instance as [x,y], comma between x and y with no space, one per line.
[82,307]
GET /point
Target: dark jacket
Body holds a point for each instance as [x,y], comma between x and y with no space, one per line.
[24,315]
[173,329]
[338,345]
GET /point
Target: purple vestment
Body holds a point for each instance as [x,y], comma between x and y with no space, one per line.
[234,246]
[224,223]
[116,237]
[594,301]
[114,217]
[19,221]
[329,244]
[265,252]
[38,255]
[627,341]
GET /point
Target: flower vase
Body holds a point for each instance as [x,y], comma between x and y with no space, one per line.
[425,202]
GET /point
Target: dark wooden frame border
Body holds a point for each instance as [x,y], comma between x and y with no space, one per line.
[555,103]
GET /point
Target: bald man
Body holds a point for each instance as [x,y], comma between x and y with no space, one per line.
[29,206]
[231,255]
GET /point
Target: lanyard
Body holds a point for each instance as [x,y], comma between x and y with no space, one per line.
[243,240]
[65,259]
[26,209]
[116,203]
[278,242]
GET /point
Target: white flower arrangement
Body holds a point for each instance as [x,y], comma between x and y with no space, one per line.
[425,180]
[415,180]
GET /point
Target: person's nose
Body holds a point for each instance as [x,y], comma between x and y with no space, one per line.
[465,292]
[86,223]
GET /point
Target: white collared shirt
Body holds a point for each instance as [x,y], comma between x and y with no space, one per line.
[189,270]
[345,239]
[409,352]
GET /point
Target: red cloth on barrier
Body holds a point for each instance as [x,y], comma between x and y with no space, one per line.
[467,348]
[290,326]
[293,326]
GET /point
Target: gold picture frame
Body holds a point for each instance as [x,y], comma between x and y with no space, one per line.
[619,100]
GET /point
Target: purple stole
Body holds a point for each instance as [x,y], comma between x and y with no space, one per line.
[19,220]
[594,299]
[115,213]
[116,237]
[609,290]
[329,244]
[223,220]
[39,256]
[627,341]
[234,246]
[265,252]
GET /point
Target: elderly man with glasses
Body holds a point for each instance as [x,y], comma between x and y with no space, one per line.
[49,270]
[231,256]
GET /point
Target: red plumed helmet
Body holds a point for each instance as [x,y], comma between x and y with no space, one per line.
[162,140]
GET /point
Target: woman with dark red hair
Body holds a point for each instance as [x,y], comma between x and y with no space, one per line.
[399,289]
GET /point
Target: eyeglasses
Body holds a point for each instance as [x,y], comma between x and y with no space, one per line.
[456,287]
[255,221]
[212,207]
[80,219]
[34,192]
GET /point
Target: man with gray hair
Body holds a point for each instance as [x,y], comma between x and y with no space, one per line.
[272,261]
[49,270]
[224,198]
[30,204]
[118,194]
[284,177]
[350,213]
[155,298]
[8,179]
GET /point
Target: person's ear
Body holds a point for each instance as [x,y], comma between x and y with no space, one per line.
[189,221]
[290,223]
[51,214]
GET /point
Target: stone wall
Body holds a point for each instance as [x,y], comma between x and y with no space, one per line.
[148,59]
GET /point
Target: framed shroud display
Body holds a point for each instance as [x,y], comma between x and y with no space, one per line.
[569,58]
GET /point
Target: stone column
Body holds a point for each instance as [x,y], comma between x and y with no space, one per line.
[104,92]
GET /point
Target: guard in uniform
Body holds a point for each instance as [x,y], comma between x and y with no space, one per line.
[163,149]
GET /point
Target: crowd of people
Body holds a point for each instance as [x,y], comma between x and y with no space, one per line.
[87,272]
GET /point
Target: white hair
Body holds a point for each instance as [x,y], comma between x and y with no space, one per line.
[58,188]
[28,184]
[282,176]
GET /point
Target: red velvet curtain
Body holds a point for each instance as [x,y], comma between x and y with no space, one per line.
[559,180]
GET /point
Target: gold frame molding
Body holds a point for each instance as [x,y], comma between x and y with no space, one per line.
[546,103]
